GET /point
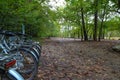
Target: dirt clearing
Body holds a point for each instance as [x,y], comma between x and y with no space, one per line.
[64,59]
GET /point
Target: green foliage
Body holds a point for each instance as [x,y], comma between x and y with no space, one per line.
[38,19]
[108,18]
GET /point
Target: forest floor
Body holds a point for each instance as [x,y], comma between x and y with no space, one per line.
[69,59]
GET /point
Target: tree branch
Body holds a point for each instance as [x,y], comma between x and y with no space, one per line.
[117,10]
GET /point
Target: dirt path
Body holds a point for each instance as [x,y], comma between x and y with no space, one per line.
[75,60]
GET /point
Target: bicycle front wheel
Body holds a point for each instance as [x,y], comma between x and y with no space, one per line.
[28,65]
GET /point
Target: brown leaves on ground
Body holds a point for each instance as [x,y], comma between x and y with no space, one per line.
[75,60]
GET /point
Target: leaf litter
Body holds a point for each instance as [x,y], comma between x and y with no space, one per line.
[76,60]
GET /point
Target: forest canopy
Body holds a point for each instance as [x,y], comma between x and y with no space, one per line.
[85,19]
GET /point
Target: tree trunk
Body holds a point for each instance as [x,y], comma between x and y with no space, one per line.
[95,27]
[83,26]
[101,27]
[81,34]
[95,21]
[119,3]
[101,30]
[101,33]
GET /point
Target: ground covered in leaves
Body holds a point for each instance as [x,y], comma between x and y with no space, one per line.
[67,59]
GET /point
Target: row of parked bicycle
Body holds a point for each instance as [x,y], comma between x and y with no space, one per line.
[19,56]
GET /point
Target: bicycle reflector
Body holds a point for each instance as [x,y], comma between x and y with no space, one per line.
[10,63]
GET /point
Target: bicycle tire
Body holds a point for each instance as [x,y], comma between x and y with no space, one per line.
[29,71]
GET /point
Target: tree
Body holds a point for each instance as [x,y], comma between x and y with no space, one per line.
[95,20]
[103,12]
[83,25]
[37,17]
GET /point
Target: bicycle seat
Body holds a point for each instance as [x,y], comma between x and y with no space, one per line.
[9,33]
[20,34]
[2,31]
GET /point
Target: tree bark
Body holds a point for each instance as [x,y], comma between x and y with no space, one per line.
[100,30]
[101,26]
[83,26]
[81,34]
[95,21]
[119,3]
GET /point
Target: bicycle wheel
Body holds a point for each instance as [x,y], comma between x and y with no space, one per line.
[33,50]
[35,45]
[28,66]
[4,77]
[38,47]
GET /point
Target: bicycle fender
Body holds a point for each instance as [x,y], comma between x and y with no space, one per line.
[14,75]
